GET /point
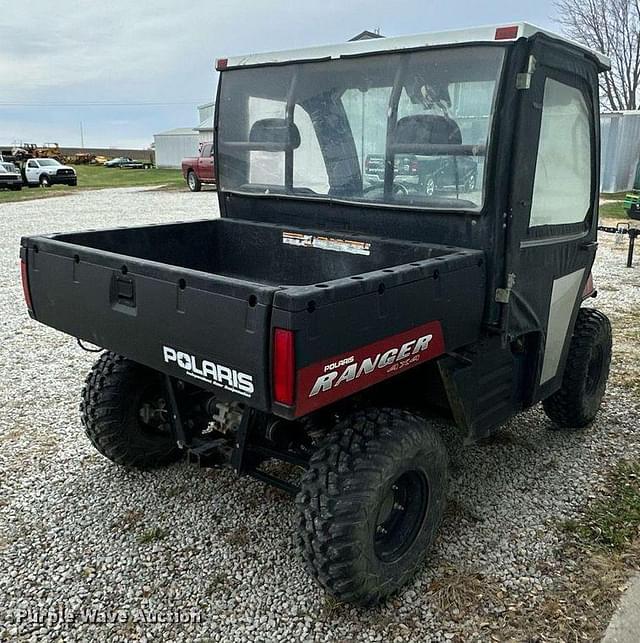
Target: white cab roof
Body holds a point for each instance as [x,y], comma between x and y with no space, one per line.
[513,30]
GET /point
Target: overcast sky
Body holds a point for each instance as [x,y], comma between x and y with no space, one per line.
[162,51]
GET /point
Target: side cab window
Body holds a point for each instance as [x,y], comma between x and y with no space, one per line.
[32,164]
[563,173]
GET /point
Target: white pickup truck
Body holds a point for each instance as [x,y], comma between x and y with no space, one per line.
[48,172]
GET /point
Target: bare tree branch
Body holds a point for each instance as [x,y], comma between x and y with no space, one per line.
[612,27]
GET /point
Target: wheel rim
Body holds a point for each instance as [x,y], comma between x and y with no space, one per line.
[401,515]
[471,183]
[594,370]
[400,190]
[192,181]
[430,187]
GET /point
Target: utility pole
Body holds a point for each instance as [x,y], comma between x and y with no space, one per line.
[81,136]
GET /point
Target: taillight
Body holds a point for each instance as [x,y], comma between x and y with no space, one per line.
[25,284]
[221,64]
[506,33]
[284,364]
[414,167]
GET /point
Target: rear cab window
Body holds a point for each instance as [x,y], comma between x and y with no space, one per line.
[398,128]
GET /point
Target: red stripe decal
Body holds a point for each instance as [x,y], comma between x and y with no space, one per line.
[336,377]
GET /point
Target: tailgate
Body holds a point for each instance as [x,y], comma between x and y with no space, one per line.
[207,329]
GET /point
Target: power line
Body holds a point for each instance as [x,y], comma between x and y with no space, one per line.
[101,104]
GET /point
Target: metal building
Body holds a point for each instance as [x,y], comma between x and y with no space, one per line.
[205,128]
[173,145]
[620,150]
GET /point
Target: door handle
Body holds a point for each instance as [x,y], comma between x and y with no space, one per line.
[589,245]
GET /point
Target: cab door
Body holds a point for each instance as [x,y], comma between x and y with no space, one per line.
[32,171]
[554,200]
[205,162]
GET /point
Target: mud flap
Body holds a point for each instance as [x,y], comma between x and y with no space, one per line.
[481,386]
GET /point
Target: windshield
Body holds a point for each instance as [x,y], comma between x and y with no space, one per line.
[403,128]
[47,162]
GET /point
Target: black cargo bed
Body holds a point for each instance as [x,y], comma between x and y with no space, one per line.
[215,289]
[258,253]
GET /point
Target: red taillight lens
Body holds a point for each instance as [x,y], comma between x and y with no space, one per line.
[25,284]
[506,33]
[221,63]
[284,364]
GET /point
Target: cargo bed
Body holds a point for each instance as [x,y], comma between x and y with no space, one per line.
[174,296]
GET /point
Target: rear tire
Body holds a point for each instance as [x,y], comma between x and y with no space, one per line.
[124,413]
[193,182]
[370,504]
[429,186]
[584,381]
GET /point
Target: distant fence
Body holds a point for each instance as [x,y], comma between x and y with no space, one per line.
[142,155]
[110,152]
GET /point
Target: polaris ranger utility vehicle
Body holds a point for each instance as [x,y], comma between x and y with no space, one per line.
[321,321]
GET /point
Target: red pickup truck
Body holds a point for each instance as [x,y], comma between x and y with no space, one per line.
[199,169]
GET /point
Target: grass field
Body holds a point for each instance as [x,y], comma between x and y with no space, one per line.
[93,177]
[614,209]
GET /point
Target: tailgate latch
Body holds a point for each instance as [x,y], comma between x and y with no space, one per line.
[123,291]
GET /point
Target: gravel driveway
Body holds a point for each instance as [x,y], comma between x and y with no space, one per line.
[83,540]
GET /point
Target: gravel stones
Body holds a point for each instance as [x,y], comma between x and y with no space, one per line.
[214,557]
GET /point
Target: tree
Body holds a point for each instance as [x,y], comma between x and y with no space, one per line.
[612,27]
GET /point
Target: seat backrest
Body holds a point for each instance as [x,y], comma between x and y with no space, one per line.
[276,132]
[427,129]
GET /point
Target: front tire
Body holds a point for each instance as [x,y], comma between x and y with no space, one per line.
[470,183]
[193,182]
[45,181]
[370,504]
[125,415]
[584,381]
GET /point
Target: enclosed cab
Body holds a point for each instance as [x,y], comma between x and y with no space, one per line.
[407,230]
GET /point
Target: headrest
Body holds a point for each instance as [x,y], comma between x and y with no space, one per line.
[277,133]
[427,129]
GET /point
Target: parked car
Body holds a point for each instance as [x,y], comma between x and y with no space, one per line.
[433,174]
[48,172]
[118,162]
[337,328]
[10,177]
[10,167]
[129,163]
[199,169]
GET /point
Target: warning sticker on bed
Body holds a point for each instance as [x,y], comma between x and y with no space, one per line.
[326,243]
